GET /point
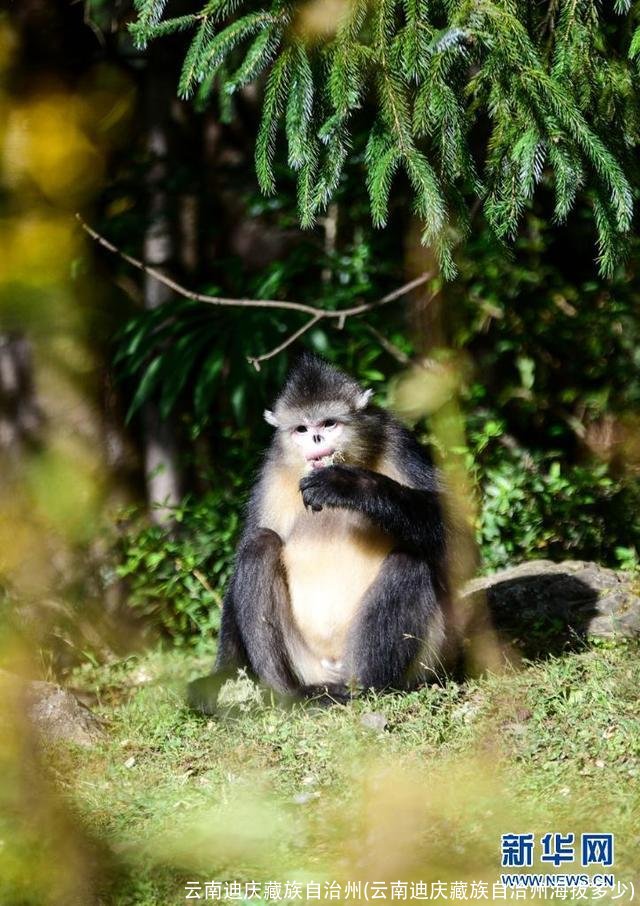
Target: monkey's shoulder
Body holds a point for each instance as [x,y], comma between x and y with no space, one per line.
[277,501]
[409,459]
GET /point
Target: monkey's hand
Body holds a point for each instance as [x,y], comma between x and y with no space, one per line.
[336,487]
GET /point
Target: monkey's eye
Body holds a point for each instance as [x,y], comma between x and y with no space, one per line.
[330,423]
[301,429]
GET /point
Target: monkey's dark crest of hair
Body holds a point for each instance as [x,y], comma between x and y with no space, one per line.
[312,379]
[341,578]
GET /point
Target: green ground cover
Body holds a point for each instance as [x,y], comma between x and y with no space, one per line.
[272,794]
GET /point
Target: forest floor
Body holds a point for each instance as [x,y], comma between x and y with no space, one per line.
[421,791]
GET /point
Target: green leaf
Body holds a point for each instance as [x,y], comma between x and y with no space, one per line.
[206,383]
[146,386]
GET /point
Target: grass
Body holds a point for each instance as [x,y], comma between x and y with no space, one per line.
[272,794]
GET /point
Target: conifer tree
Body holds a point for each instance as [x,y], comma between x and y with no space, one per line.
[472,99]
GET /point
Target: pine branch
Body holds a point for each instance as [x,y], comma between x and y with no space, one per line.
[143,33]
[191,66]
[382,158]
[549,77]
[212,51]
[273,106]
[149,12]
[258,56]
[299,109]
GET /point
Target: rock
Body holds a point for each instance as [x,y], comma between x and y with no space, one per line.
[55,713]
[546,607]
[58,715]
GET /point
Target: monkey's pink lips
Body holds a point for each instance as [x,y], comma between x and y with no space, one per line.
[320,462]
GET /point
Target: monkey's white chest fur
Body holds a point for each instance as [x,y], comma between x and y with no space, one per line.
[331,559]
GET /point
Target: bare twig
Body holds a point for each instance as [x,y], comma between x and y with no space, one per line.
[342,315]
[255,360]
[182,290]
[202,579]
[390,297]
[317,313]
[390,347]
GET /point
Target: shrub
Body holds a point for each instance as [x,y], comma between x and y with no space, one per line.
[177,577]
[533,505]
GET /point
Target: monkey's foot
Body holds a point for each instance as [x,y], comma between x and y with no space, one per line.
[202,694]
[223,692]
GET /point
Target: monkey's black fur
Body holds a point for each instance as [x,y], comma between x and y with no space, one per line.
[408,596]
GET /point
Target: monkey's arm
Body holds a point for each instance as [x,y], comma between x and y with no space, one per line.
[413,516]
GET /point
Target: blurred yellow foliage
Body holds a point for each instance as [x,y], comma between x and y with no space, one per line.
[64,488]
[45,144]
[432,388]
[53,147]
[425,388]
[319,19]
[38,247]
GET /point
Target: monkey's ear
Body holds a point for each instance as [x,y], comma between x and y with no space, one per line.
[363,399]
[270,418]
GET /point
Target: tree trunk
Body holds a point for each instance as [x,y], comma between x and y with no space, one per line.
[20,416]
[162,472]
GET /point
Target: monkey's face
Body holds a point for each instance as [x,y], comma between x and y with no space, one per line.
[318,442]
[320,436]
[318,425]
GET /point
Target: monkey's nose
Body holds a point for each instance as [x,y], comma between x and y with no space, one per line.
[317,438]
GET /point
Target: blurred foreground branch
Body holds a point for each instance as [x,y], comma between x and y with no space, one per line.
[317,313]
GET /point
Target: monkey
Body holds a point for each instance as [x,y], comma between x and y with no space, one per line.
[341,577]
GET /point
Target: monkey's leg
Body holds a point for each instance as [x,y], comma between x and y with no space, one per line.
[400,619]
[231,651]
[202,693]
[259,598]
[255,615]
